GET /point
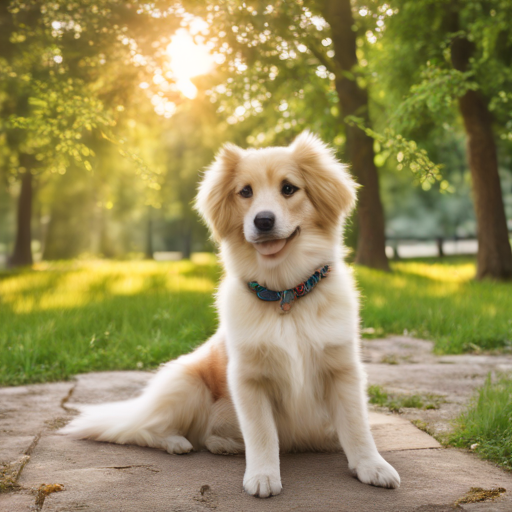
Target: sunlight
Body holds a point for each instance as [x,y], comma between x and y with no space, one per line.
[188,59]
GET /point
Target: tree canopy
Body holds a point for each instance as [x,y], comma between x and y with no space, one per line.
[131,100]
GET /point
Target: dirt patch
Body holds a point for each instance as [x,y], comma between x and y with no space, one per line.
[45,490]
[207,497]
[57,423]
[477,494]
[9,474]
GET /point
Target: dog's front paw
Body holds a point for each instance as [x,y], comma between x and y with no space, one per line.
[376,471]
[262,485]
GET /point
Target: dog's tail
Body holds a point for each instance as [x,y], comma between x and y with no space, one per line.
[167,406]
[117,422]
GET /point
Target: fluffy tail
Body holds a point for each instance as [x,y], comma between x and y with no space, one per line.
[117,422]
[168,407]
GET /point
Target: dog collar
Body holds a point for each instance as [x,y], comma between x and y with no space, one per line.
[287,297]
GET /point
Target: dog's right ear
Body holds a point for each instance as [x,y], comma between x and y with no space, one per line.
[215,199]
[329,185]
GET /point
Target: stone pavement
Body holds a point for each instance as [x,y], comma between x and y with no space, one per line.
[405,365]
[97,477]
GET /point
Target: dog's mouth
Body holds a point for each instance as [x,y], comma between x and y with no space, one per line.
[273,247]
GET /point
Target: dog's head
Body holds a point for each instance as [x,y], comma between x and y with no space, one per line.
[266,198]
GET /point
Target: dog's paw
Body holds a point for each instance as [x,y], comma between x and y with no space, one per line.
[178,444]
[376,471]
[262,485]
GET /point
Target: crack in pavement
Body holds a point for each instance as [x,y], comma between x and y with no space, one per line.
[149,468]
[11,472]
[66,399]
[33,444]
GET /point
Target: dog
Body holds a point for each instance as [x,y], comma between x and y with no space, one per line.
[283,371]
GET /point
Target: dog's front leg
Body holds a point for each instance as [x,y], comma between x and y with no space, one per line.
[348,402]
[262,476]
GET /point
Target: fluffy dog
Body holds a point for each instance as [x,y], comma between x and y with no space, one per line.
[282,373]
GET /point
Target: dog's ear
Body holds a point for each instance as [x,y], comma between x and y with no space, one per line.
[329,185]
[215,199]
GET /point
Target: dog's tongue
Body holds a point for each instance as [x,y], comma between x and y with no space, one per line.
[270,247]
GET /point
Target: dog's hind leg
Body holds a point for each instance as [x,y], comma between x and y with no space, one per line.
[224,445]
[177,444]
[223,434]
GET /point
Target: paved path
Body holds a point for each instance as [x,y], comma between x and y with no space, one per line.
[406,365]
[98,477]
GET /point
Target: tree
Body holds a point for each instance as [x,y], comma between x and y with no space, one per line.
[494,251]
[274,52]
[66,72]
[457,59]
[354,101]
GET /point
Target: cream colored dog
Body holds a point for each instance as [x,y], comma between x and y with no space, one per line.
[276,376]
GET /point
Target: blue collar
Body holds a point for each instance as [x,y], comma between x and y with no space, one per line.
[287,297]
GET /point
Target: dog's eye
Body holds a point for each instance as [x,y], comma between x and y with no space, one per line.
[246,192]
[288,190]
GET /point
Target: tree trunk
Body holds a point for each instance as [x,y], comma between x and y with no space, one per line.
[371,245]
[149,235]
[22,254]
[494,257]
[187,245]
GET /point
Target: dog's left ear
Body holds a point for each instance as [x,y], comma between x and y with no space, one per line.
[215,197]
[329,185]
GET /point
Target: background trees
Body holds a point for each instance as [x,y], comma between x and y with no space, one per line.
[278,46]
[456,58]
[89,89]
[66,71]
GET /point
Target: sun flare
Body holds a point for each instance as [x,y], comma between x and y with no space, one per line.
[187,60]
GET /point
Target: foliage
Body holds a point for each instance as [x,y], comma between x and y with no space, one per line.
[71,76]
[278,68]
[486,426]
[407,153]
[60,113]
[67,71]
[415,60]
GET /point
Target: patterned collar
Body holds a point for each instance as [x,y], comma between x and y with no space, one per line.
[287,297]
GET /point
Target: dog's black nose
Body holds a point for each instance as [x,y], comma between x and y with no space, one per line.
[264,221]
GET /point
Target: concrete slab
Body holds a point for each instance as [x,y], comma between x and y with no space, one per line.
[100,477]
[406,365]
[393,433]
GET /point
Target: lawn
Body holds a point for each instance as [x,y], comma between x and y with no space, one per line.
[70,317]
[437,300]
[486,426]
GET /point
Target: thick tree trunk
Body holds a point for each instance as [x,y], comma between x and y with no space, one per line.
[22,254]
[494,258]
[371,245]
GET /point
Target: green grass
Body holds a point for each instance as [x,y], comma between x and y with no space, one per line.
[440,301]
[487,424]
[64,318]
[395,401]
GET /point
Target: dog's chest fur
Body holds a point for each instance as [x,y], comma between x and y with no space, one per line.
[293,356]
